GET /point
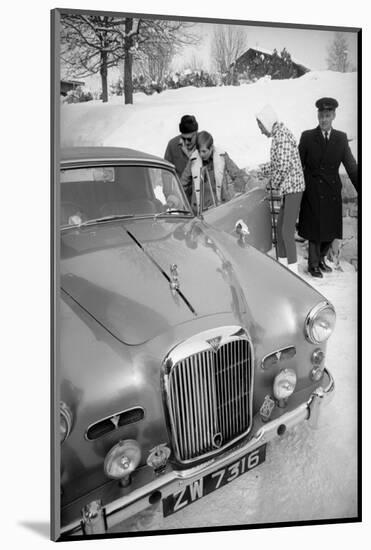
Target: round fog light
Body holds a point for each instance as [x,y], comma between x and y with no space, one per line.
[122,459]
[284,384]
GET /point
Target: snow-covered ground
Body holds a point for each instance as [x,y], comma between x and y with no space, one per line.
[308,475]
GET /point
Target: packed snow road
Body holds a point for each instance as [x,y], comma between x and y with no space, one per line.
[307,475]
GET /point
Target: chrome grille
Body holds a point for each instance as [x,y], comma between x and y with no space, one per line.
[208,398]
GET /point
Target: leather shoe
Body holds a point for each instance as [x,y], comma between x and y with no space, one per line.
[324,267]
[315,272]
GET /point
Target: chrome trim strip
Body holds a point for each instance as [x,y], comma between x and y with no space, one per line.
[279,350]
[112,416]
[77,163]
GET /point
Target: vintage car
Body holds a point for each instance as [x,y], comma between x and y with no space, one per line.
[184,349]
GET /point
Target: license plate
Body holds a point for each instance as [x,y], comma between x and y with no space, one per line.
[211,482]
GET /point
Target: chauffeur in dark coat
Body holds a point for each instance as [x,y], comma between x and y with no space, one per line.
[322,150]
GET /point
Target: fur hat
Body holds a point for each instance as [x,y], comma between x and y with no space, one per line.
[267,117]
[188,124]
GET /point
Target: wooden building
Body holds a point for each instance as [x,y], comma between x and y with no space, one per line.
[256,63]
[68,85]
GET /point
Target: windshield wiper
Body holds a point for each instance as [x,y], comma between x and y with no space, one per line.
[99,220]
[173,211]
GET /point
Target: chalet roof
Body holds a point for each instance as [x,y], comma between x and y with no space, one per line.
[264,51]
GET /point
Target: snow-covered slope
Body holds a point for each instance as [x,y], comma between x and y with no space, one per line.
[227,112]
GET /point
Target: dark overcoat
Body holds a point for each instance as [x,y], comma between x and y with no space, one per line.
[321,212]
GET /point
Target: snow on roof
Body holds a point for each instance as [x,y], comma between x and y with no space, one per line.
[270,52]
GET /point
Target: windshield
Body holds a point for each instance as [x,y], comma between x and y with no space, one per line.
[93,193]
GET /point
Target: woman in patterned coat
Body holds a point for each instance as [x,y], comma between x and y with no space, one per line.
[286,174]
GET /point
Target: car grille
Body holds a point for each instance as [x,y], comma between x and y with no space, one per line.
[208,398]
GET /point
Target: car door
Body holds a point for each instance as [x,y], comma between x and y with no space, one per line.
[253,209]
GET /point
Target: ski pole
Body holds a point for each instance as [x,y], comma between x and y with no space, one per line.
[273,219]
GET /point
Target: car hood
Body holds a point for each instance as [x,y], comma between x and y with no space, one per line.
[120,274]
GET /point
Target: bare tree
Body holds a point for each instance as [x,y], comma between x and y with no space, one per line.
[196,63]
[158,42]
[229,42]
[155,63]
[338,51]
[92,44]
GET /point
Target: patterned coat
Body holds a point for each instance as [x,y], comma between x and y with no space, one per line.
[284,169]
[321,212]
[228,177]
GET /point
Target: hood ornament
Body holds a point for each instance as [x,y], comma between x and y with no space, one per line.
[215,343]
[174,278]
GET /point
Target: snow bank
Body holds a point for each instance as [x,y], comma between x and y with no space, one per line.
[227,112]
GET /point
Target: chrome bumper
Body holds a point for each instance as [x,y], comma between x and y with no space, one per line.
[174,481]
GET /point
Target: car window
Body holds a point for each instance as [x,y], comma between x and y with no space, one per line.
[97,192]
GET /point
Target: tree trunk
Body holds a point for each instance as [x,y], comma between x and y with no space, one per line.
[103,74]
[128,67]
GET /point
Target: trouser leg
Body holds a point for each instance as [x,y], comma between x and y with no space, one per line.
[314,254]
[290,215]
[280,242]
[325,247]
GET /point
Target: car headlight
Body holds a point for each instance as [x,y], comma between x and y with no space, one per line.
[320,323]
[65,421]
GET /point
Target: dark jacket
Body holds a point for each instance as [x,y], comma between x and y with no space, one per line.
[321,212]
[176,154]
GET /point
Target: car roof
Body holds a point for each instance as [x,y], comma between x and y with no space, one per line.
[71,154]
